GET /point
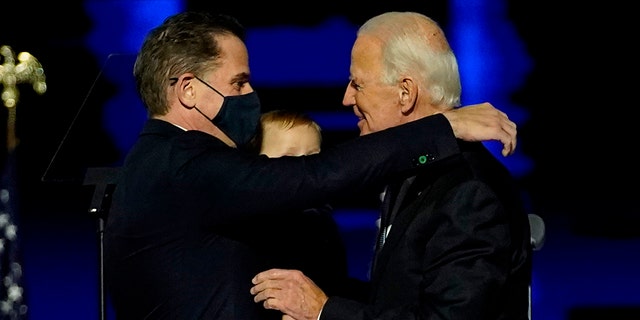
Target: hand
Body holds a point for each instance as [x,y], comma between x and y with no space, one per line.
[287,317]
[289,291]
[482,122]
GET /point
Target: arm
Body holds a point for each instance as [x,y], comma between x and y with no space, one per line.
[353,165]
[356,164]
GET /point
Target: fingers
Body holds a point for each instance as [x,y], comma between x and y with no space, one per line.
[289,291]
[261,293]
[272,303]
[483,122]
[268,285]
[269,275]
[510,142]
[273,289]
[507,149]
[270,294]
[507,133]
[260,290]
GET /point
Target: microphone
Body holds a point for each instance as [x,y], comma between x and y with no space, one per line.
[537,231]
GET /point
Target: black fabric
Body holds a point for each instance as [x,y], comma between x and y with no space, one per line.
[459,248]
[178,239]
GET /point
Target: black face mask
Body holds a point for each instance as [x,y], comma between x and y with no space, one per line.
[238,117]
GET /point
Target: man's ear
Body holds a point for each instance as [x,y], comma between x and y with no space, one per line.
[408,95]
[185,90]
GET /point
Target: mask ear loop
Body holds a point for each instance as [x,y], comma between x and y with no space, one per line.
[202,113]
[210,87]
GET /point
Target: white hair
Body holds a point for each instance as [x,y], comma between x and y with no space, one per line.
[414,44]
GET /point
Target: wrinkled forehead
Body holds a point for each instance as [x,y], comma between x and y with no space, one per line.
[366,57]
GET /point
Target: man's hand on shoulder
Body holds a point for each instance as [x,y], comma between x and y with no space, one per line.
[483,122]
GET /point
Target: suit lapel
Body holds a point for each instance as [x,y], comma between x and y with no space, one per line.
[399,199]
[407,208]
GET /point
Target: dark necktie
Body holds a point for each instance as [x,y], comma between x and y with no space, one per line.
[394,194]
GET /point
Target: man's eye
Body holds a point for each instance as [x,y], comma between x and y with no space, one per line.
[355,85]
[240,84]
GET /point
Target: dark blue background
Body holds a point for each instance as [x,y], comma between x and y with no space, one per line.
[560,73]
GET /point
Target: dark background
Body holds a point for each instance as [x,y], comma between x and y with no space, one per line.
[579,134]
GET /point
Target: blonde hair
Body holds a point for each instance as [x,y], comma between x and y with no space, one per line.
[285,119]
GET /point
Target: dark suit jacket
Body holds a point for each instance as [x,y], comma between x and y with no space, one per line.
[177,244]
[309,241]
[459,248]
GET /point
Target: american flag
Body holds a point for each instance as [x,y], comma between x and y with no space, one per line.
[12,302]
[26,70]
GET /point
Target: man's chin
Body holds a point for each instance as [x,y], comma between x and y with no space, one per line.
[363,129]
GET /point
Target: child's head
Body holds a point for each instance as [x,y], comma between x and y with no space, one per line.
[287,133]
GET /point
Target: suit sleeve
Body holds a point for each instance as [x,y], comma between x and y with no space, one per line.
[293,183]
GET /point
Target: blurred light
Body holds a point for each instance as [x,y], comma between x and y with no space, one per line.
[119,29]
[493,65]
[291,56]
[335,121]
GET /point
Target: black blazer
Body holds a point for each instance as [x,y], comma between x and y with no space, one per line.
[176,240]
[309,241]
[458,248]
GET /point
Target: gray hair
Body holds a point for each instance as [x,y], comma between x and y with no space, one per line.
[414,44]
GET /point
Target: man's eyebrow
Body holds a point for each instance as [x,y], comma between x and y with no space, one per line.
[241,77]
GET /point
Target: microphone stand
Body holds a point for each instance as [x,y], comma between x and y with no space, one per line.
[104,179]
[72,162]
